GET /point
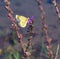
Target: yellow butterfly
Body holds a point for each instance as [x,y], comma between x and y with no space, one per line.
[22,21]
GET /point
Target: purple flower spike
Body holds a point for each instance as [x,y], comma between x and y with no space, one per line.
[30,19]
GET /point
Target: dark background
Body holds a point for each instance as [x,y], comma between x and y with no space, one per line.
[30,8]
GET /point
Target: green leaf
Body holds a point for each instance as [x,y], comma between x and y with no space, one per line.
[10,56]
[16,55]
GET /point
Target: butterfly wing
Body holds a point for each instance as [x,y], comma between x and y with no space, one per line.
[22,21]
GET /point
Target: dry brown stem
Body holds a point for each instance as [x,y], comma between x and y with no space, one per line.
[57,8]
[14,26]
[44,28]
